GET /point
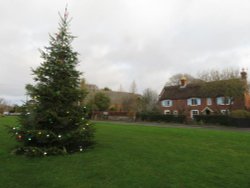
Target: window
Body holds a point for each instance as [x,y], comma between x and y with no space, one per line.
[167,112]
[209,101]
[194,102]
[167,103]
[175,112]
[226,101]
[194,113]
[223,100]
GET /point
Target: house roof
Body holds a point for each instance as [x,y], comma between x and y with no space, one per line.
[201,90]
[118,97]
[91,87]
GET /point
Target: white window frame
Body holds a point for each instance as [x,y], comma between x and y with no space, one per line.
[225,111]
[175,112]
[223,99]
[209,101]
[194,102]
[167,112]
[192,113]
[167,103]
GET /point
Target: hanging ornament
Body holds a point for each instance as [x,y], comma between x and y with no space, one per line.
[20,136]
[59,136]
[80,148]
[39,132]
[45,153]
[47,135]
[29,139]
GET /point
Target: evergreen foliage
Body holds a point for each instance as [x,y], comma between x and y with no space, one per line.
[102,101]
[54,122]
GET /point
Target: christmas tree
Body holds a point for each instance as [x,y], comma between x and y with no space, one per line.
[54,122]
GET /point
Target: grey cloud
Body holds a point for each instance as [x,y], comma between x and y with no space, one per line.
[121,41]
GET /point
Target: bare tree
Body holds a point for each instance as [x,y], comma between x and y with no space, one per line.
[130,103]
[2,101]
[120,88]
[149,100]
[133,87]
[175,79]
[215,75]
[3,105]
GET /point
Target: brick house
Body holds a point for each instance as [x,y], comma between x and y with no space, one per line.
[119,101]
[194,99]
[123,105]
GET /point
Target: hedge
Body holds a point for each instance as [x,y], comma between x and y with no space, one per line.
[161,117]
[223,120]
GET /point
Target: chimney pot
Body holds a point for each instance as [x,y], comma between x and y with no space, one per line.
[243,74]
[183,81]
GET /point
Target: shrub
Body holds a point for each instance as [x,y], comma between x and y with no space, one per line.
[240,114]
[224,120]
[151,116]
[213,119]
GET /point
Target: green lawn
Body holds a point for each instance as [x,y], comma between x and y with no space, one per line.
[135,156]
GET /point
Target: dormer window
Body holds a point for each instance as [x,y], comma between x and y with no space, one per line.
[167,103]
[194,101]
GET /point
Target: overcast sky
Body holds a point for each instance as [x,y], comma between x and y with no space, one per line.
[121,41]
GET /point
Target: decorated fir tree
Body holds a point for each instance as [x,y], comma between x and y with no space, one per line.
[53,121]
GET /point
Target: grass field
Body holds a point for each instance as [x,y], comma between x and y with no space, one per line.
[135,156]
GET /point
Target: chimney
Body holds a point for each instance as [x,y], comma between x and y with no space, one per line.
[243,74]
[183,81]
